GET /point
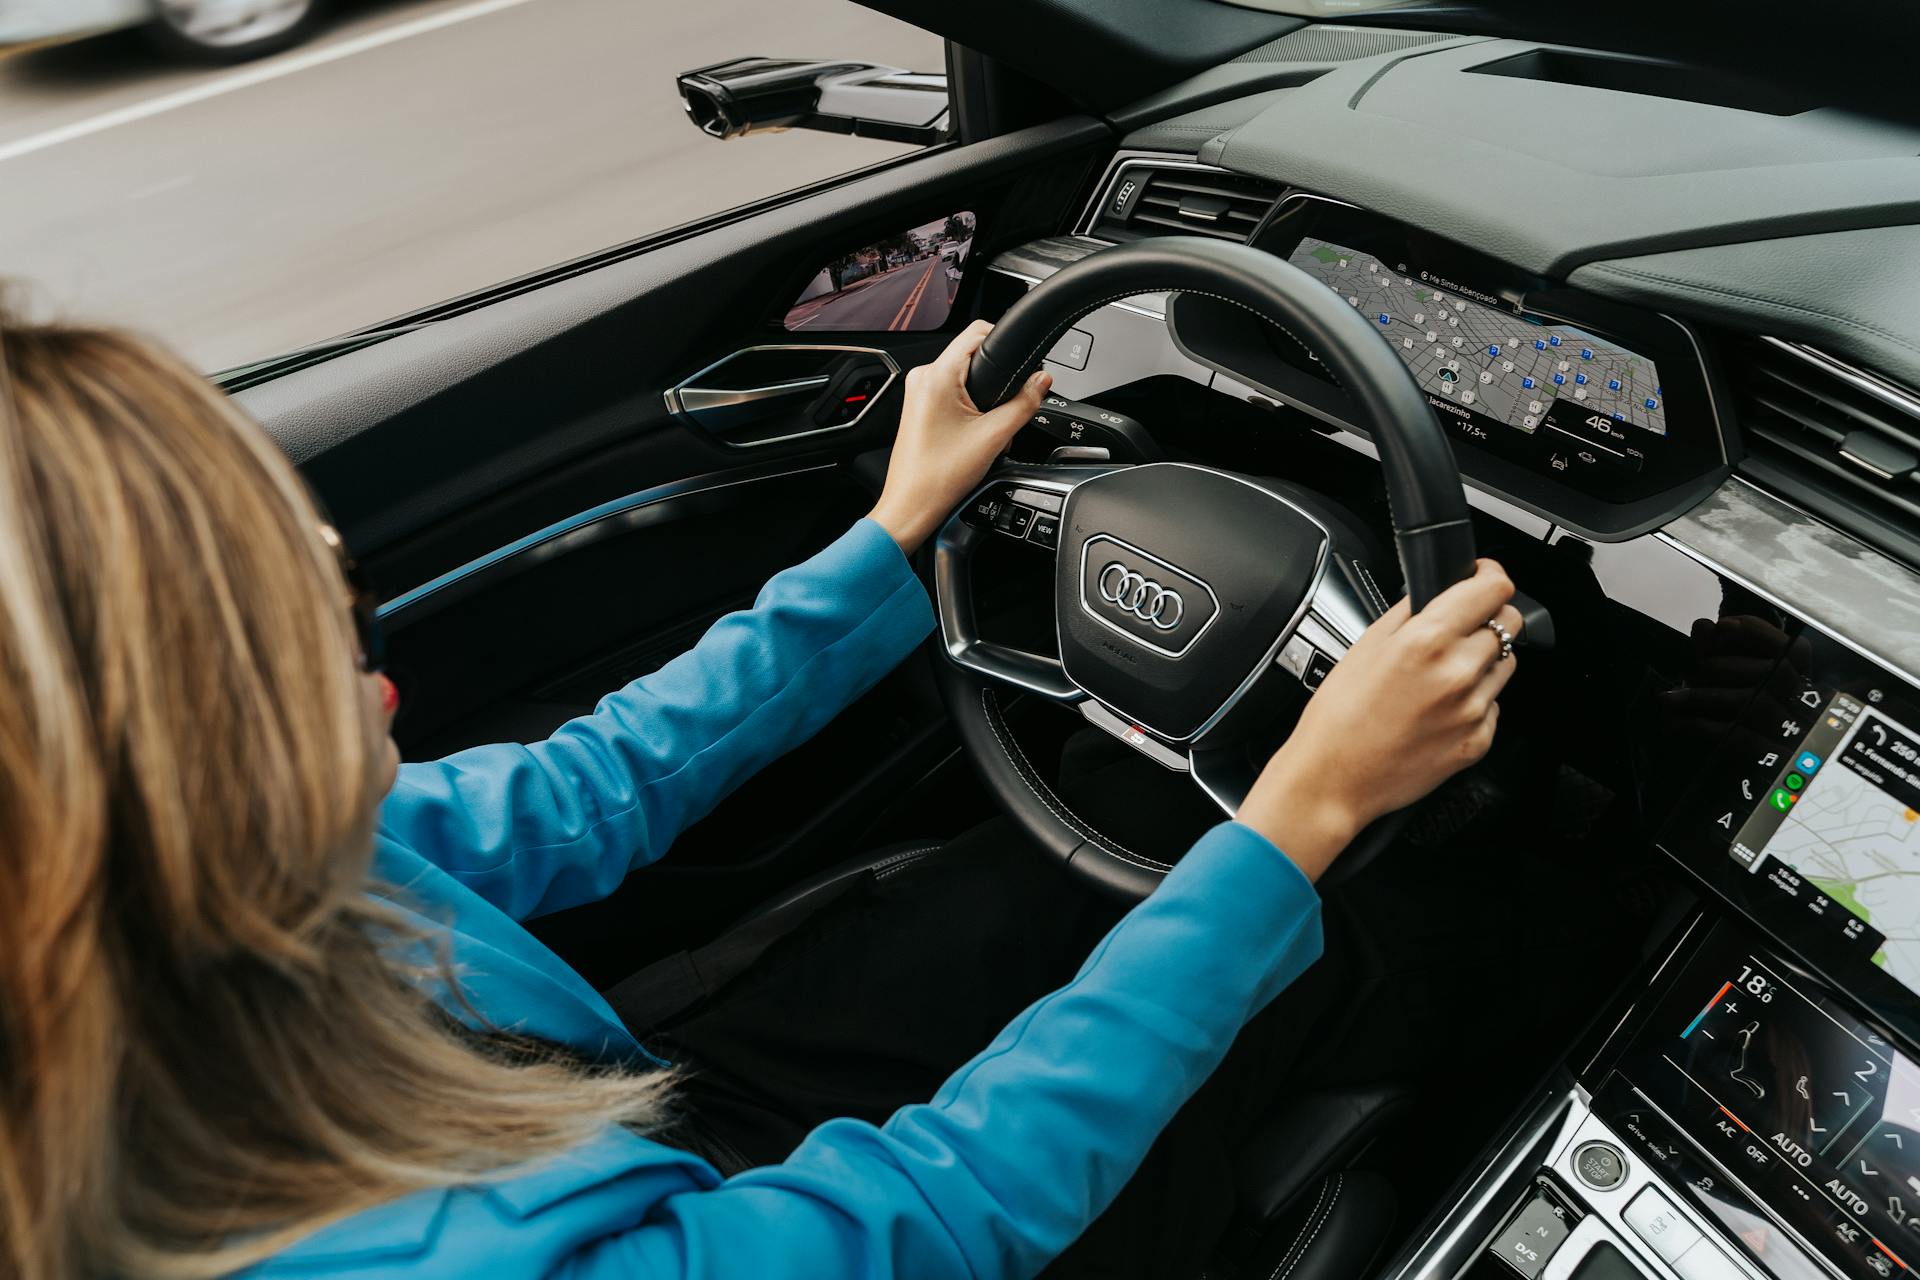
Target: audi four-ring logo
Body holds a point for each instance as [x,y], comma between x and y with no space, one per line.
[1142,597]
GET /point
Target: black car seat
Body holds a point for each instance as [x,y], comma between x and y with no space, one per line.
[1308,1208]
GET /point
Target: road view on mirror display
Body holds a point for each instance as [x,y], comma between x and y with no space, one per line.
[907,281]
[409,152]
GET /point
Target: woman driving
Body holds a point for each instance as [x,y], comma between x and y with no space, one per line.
[266,1003]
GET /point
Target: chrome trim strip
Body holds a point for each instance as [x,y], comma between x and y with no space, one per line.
[1889,393]
[1100,717]
[1866,466]
[585,528]
[1228,793]
[694,400]
[1021,276]
[675,396]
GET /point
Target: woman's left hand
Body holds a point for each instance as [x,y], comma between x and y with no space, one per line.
[945,443]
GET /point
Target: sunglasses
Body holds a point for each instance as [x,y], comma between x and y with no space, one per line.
[361,602]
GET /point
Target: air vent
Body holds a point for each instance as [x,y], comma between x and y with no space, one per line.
[1151,200]
[1839,441]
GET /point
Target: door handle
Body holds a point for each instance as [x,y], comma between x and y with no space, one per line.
[697,400]
[777,392]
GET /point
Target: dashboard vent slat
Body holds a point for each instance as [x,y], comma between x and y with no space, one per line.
[1145,198]
[1838,441]
[1163,220]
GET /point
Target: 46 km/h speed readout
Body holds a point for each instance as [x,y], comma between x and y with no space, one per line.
[1474,358]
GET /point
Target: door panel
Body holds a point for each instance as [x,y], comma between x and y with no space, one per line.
[545,526]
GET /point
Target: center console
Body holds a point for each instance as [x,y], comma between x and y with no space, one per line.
[1752,1107]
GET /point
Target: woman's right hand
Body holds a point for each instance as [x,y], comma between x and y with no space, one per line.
[1411,704]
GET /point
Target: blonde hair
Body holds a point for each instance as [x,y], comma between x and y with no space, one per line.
[208,1046]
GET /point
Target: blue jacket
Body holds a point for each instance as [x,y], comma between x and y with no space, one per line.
[997,1173]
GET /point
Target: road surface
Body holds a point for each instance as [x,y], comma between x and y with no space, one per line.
[418,150]
[914,296]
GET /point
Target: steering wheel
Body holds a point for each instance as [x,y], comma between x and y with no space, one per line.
[1187,600]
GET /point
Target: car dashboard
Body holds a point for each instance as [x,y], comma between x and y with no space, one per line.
[1589,265]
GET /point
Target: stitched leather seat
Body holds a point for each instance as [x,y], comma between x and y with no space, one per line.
[1305,1211]
[1338,1232]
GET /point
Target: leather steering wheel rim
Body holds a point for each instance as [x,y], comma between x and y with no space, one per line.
[1432,529]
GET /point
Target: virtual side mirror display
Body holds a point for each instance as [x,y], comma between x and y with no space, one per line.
[902,282]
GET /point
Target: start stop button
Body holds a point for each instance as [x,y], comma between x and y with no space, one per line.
[1600,1165]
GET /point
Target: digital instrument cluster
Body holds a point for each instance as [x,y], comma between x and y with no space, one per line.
[1603,399]
[1499,368]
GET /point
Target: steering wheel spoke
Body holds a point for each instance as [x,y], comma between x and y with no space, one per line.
[1019,502]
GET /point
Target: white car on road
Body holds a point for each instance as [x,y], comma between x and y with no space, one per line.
[207,30]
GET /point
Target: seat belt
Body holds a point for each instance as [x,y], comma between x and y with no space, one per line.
[652,997]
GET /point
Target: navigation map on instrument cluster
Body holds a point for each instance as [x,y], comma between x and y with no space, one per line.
[1854,833]
[1508,367]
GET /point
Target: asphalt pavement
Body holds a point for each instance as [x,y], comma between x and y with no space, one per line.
[913,296]
[417,150]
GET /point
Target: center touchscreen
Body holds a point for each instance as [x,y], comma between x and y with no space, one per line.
[1473,357]
[1803,806]
[1842,814]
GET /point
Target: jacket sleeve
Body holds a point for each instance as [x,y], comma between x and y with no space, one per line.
[536,828]
[1029,1142]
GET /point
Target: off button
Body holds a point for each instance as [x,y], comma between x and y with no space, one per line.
[1600,1165]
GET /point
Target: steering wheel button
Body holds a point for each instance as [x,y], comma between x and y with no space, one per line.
[1294,657]
[1013,520]
[1072,350]
[1319,667]
[1045,530]
[1038,499]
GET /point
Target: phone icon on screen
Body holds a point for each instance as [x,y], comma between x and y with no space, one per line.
[1746,789]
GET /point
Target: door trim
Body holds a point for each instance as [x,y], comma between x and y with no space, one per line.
[584,528]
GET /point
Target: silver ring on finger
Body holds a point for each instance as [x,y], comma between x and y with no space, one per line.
[1506,638]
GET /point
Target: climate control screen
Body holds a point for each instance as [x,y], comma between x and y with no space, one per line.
[1816,1114]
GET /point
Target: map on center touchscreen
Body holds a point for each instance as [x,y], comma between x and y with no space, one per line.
[1844,814]
[1490,362]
